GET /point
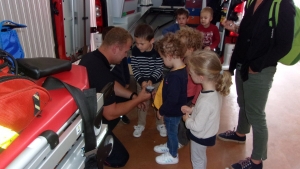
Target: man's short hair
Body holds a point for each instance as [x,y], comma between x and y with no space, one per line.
[182,11]
[105,31]
[144,31]
[116,35]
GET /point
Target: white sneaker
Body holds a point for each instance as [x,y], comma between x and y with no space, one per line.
[166,158]
[138,130]
[162,148]
[180,146]
[162,130]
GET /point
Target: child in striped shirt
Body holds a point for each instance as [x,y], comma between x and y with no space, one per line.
[147,68]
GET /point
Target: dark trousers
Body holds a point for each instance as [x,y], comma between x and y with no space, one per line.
[182,130]
[252,99]
[182,133]
[119,155]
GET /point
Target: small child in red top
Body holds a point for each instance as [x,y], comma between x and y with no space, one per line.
[211,35]
[193,41]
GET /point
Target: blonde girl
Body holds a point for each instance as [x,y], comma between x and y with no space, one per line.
[202,120]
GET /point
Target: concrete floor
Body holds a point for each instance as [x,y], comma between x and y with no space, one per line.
[283,118]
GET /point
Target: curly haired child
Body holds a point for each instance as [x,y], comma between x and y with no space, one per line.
[193,41]
[174,92]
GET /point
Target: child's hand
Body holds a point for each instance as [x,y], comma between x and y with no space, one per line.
[184,117]
[149,83]
[158,115]
[142,106]
[192,105]
[186,110]
[207,48]
[144,84]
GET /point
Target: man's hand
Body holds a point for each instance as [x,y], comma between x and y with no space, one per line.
[229,25]
[144,95]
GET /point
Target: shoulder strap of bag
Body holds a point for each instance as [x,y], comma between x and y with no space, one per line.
[273,13]
[86,114]
[249,2]
[273,19]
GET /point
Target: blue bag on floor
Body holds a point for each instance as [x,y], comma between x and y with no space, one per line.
[9,40]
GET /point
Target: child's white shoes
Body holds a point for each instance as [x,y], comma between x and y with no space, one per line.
[162,148]
[166,158]
[138,130]
[162,130]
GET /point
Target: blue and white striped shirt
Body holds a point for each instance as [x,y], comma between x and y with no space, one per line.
[146,66]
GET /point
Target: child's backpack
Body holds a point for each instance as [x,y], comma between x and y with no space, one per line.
[293,56]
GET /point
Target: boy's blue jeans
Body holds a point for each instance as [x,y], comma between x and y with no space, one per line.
[172,130]
[252,99]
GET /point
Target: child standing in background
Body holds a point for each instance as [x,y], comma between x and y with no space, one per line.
[147,68]
[211,35]
[193,41]
[204,118]
[174,92]
[182,16]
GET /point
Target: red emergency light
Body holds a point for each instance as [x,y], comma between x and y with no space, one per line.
[99,16]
